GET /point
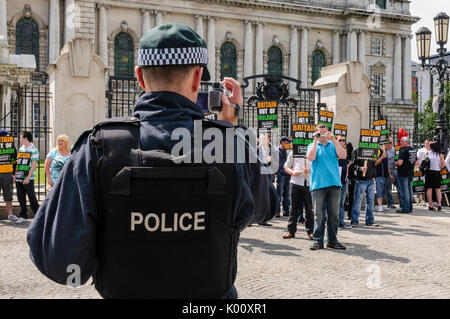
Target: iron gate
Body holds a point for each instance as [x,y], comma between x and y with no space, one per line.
[273,88]
[28,110]
[121,94]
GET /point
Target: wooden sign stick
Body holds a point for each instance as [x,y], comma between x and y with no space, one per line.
[365,165]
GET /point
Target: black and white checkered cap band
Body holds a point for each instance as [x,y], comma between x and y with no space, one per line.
[173,56]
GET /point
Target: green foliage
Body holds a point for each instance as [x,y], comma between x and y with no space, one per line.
[427,119]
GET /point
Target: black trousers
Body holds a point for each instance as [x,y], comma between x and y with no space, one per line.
[351,195]
[299,195]
[22,192]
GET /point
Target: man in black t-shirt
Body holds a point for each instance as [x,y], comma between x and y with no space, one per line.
[405,164]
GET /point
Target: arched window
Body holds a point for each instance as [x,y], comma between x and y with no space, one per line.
[123,55]
[275,61]
[27,38]
[318,62]
[228,61]
[381,4]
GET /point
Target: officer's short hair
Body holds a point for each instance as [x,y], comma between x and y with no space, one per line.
[27,135]
[167,75]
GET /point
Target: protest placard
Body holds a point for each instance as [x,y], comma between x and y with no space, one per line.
[340,129]
[302,136]
[267,115]
[381,125]
[418,183]
[326,117]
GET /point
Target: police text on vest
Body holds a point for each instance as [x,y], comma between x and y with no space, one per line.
[169,222]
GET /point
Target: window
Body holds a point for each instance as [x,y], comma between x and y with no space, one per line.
[123,55]
[36,117]
[381,4]
[27,38]
[377,46]
[228,60]
[377,89]
[318,62]
[275,61]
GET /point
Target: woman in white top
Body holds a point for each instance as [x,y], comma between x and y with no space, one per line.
[433,175]
[300,171]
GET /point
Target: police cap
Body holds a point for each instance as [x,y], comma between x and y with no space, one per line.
[173,44]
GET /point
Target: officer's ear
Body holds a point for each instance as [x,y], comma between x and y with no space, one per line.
[196,78]
[139,76]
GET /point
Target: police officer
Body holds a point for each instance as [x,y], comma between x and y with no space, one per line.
[144,222]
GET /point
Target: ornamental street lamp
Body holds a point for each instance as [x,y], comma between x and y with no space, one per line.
[423,37]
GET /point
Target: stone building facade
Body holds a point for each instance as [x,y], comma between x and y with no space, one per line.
[295,38]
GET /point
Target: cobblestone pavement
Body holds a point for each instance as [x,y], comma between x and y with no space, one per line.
[408,256]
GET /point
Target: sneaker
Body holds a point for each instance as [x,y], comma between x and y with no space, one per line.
[380,209]
[316,246]
[354,225]
[424,203]
[337,246]
[21,220]
[392,206]
[347,226]
[13,218]
[372,225]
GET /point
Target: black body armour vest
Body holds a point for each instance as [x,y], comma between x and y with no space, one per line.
[166,230]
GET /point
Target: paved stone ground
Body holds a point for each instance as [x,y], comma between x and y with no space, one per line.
[408,256]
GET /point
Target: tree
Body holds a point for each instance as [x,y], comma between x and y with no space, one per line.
[426,120]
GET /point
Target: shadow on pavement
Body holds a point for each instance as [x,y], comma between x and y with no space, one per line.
[267,248]
[368,254]
[7,223]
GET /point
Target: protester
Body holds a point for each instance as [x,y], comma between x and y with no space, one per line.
[283,179]
[351,183]
[299,169]
[325,186]
[433,175]
[382,175]
[420,154]
[405,169]
[56,159]
[343,169]
[25,187]
[144,222]
[393,178]
[364,174]
[7,180]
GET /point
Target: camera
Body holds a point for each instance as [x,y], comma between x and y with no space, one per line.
[318,134]
[211,99]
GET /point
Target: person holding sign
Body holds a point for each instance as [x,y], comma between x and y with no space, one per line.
[325,186]
[283,179]
[7,167]
[433,175]
[299,169]
[27,160]
[382,174]
[405,166]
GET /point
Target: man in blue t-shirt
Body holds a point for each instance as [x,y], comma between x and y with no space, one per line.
[325,185]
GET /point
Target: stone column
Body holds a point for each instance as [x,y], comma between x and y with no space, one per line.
[103,33]
[407,70]
[159,18]
[344,47]
[69,20]
[352,43]
[336,47]
[212,47]
[54,44]
[146,23]
[259,55]
[199,25]
[362,48]
[3,22]
[397,76]
[304,57]
[248,52]
[293,59]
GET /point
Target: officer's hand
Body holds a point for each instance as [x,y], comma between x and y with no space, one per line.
[228,112]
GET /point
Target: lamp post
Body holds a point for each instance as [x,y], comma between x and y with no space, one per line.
[423,37]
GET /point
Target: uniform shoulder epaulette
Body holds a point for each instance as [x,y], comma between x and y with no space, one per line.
[80,139]
[118,120]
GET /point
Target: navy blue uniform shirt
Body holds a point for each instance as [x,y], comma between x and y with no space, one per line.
[64,230]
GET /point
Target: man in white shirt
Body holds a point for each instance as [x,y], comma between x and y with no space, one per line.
[420,154]
[299,169]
